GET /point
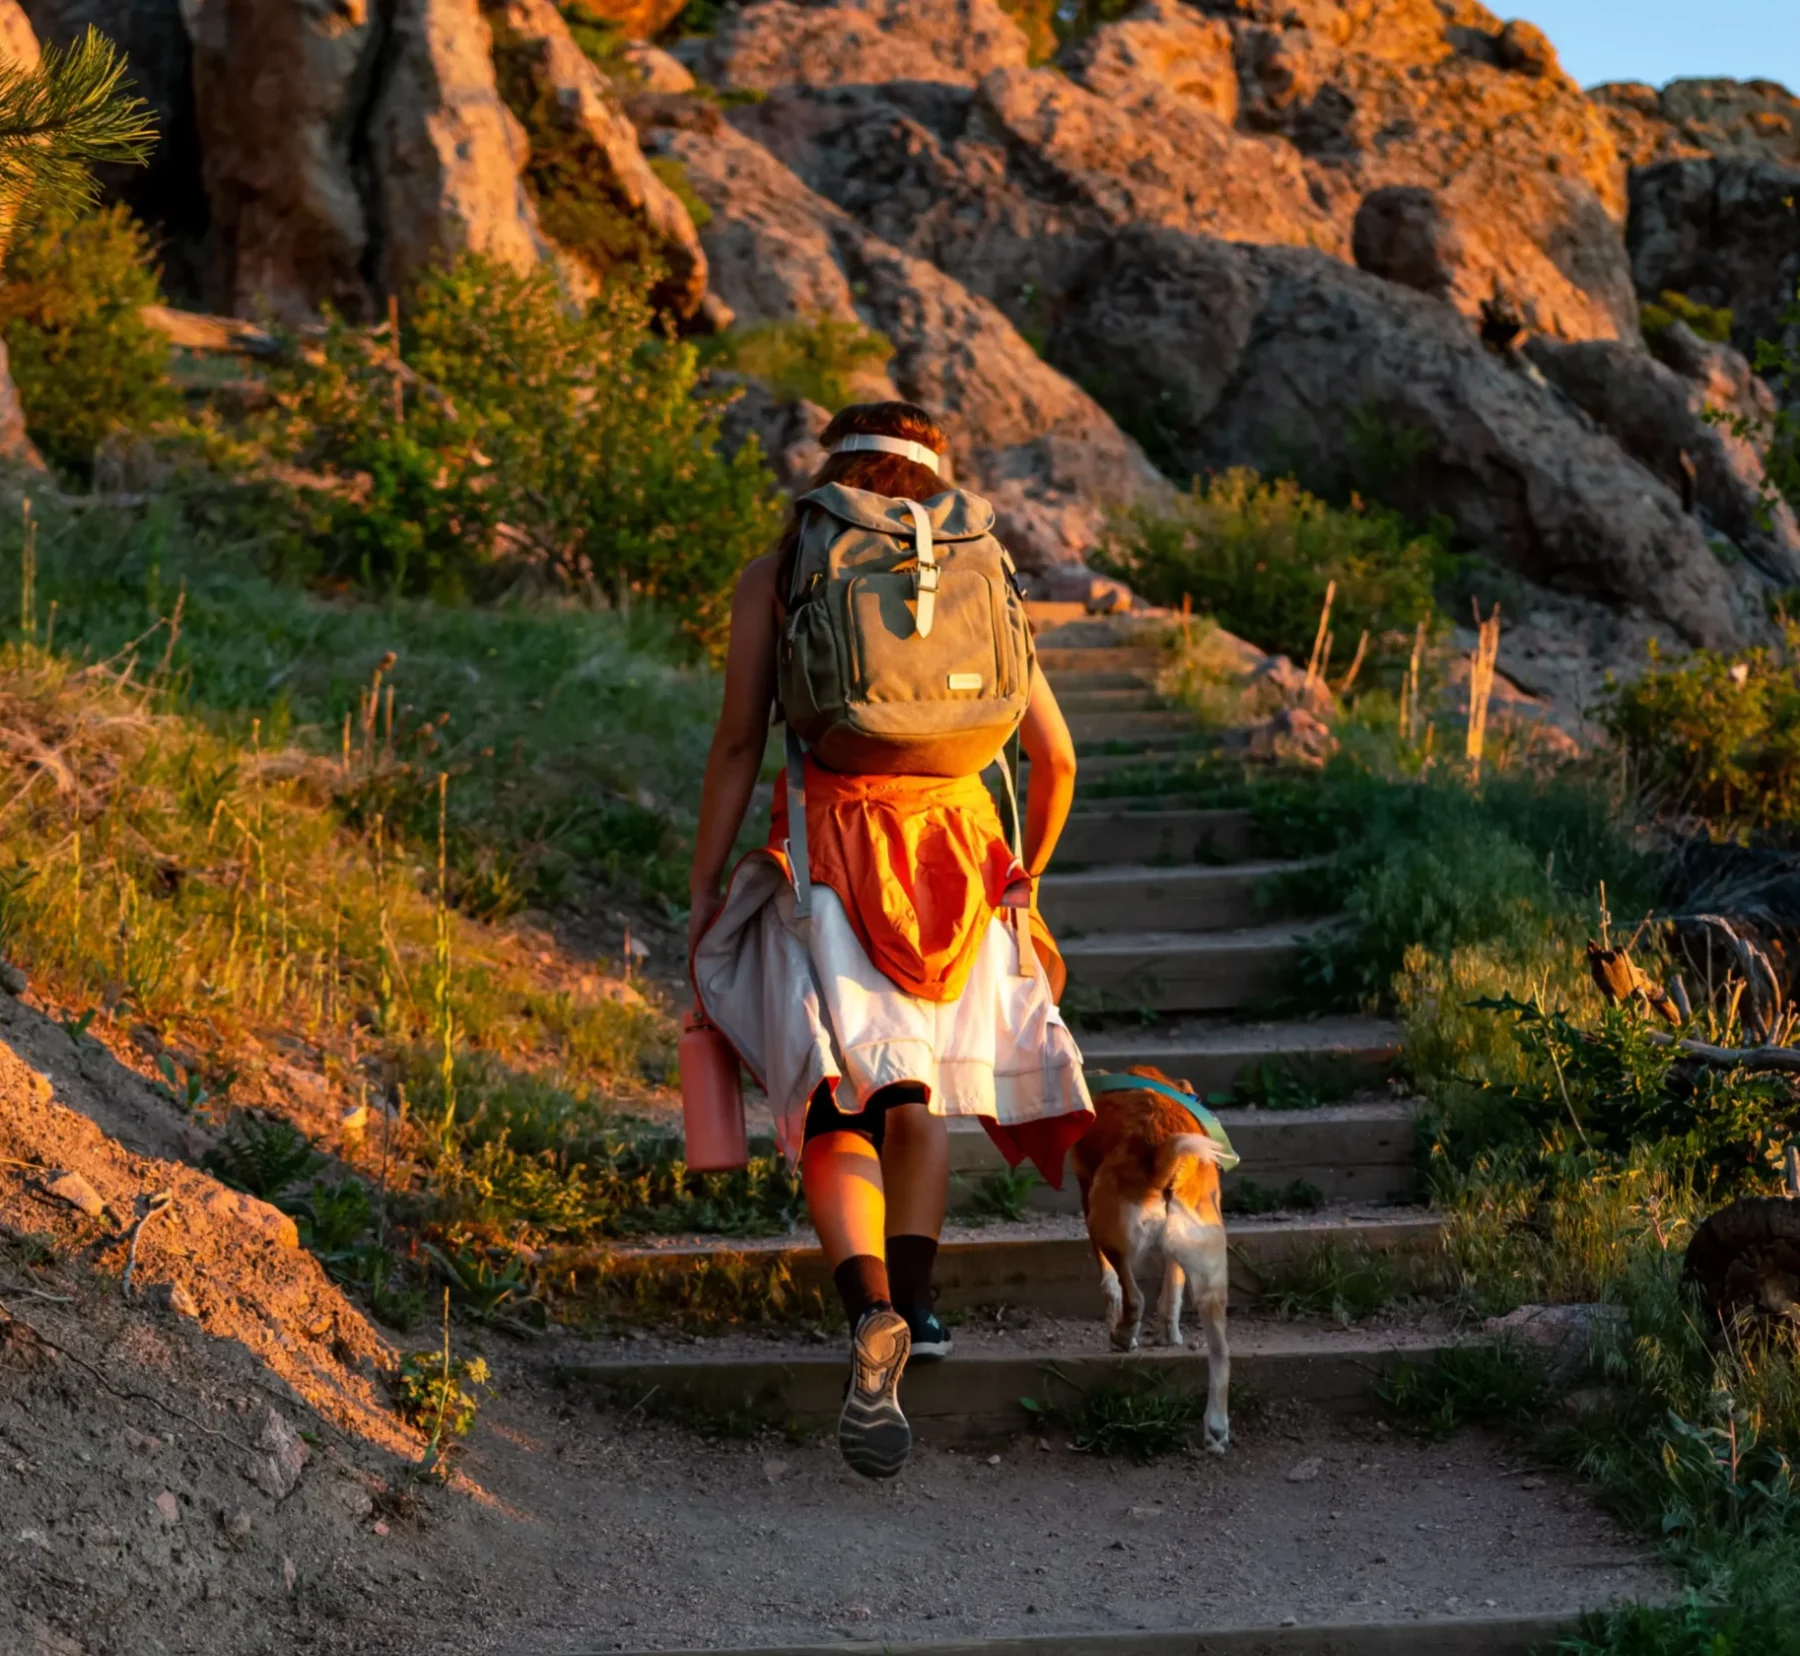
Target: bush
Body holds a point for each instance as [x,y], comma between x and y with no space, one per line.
[1257,558]
[85,362]
[817,361]
[531,439]
[1718,736]
[1708,321]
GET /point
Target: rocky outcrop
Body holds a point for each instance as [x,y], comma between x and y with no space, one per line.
[1724,231]
[444,151]
[1045,453]
[278,89]
[1167,43]
[18,48]
[1236,356]
[1678,423]
[597,196]
[860,42]
[1701,117]
[18,37]
[637,19]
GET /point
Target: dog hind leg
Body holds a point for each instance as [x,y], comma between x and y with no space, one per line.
[1168,1307]
[1218,1373]
[1125,1325]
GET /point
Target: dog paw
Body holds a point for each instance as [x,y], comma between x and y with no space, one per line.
[1173,1337]
[1124,1339]
[1218,1438]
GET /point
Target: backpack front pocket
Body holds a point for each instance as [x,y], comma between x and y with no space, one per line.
[958,663]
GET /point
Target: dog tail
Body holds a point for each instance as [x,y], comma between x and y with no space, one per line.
[1182,1147]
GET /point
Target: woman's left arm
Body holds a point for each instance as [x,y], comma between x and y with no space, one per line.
[1048,745]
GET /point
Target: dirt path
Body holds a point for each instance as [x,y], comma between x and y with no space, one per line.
[622,1533]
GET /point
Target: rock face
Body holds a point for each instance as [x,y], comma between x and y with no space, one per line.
[1227,355]
[1658,414]
[445,152]
[1702,117]
[859,42]
[588,138]
[1043,451]
[1724,231]
[277,91]
[18,37]
[638,19]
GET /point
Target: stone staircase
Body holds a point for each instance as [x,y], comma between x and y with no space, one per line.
[1155,901]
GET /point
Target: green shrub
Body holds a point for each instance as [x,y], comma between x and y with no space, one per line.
[673,173]
[1718,736]
[1708,321]
[817,361]
[1257,558]
[85,362]
[534,439]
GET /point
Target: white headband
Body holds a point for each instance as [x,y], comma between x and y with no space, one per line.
[904,447]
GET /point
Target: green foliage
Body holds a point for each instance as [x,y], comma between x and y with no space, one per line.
[1342,1285]
[85,362]
[1257,557]
[584,435]
[334,1218]
[487,1289]
[1708,321]
[1718,736]
[1495,1383]
[690,1291]
[263,1155]
[601,40]
[1001,1197]
[697,17]
[432,1391]
[817,361]
[1246,1196]
[671,171]
[1778,361]
[60,119]
[1139,1416]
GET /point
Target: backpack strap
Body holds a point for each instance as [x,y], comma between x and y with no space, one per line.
[799,869]
[928,568]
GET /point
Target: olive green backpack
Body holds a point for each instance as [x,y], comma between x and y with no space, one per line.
[906,650]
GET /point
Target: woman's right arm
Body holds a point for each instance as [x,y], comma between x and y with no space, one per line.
[738,741]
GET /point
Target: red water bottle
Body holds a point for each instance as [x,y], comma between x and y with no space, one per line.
[712,1099]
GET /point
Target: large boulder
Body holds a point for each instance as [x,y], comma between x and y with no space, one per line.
[1680,422]
[1046,454]
[638,19]
[1234,356]
[1166,42]
[166,194]
[445,153]
[600,200]
[1724,231]
[855,42]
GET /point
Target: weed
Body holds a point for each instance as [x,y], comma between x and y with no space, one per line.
[1140,1416]
[374,1271]
[486,1291]
[333,1218]
[1257,557]
[603,1288]
[1708,321]
[431,1390]
[263,1155]
[1344,1285]
[76,1027]
[1490,1384]
[1003,1196]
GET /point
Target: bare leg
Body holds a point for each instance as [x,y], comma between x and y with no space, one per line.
[915,1170]
[841,1176]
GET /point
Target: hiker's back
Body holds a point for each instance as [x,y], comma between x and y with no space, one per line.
[906,649]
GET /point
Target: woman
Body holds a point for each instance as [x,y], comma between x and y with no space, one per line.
[863,1063]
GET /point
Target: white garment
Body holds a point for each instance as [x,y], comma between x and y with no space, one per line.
[802,1003]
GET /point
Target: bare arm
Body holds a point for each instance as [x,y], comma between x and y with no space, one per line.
[738,740]
[1051,750]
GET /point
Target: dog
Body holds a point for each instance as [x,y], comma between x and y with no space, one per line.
[1149,1180]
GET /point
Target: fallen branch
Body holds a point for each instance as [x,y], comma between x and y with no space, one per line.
[161,1202]
[1725,1057]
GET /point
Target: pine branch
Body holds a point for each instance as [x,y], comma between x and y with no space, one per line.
[70,113]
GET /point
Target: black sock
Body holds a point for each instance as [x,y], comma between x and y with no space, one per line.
[862,1284]
[910,1261]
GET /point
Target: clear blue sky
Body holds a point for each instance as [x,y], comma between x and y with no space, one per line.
[1665,40]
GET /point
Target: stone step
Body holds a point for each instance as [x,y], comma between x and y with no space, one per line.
[1156,727]
[1347,1152]
[1138,898]
[1045,1265]
[1484,1634]
[1130,662]
[1338,1053]
[1164,971]
[1109,832]
[1154,759]
[1086,699]
[974,1397]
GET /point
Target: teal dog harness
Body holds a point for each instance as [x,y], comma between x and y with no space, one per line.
[1104,1081]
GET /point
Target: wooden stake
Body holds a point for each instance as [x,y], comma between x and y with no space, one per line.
[1356,661]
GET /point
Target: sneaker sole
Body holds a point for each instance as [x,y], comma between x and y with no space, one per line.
[873,1435]
[931,1351]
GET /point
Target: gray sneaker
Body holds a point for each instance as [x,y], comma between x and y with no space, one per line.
[930,1338]
[873,1436]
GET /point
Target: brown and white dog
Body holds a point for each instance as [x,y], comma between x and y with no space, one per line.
[1150,1193]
